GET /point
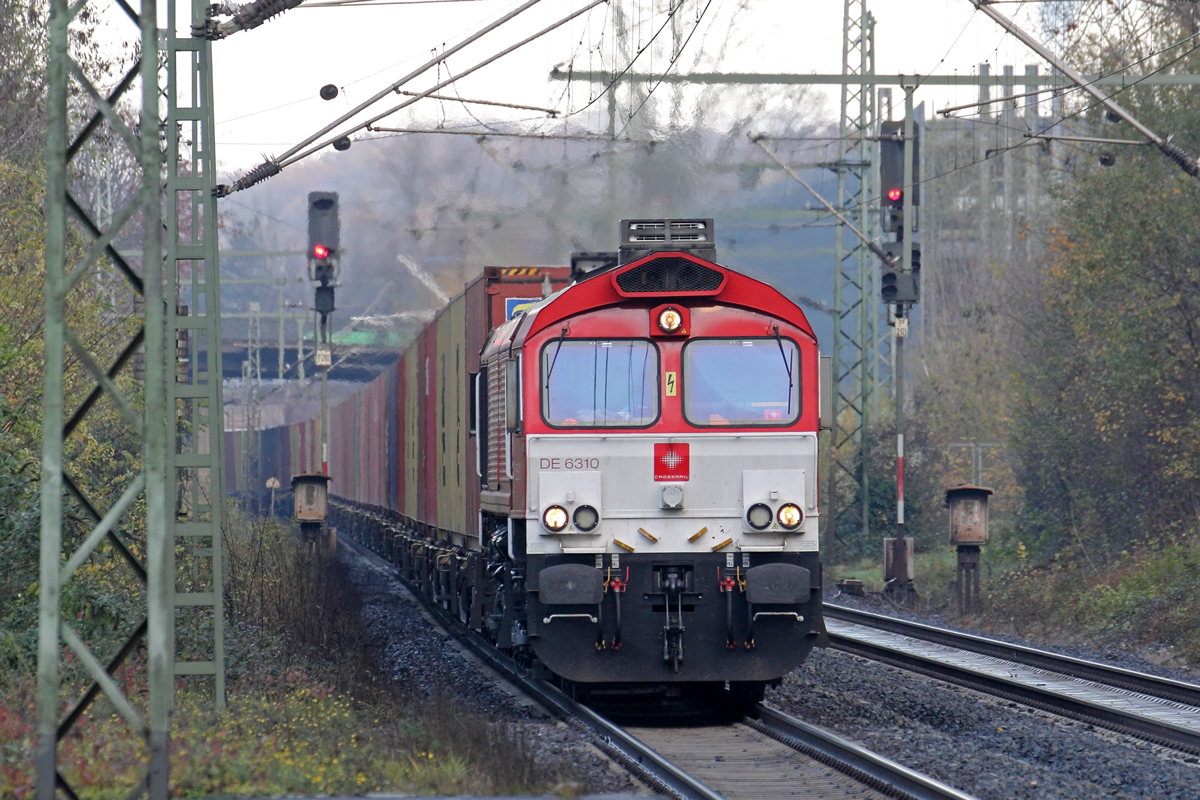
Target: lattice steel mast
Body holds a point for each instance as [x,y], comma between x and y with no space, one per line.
[180,423]
[196,462]
[854,302]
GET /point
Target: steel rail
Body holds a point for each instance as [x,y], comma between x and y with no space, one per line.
[1153,685]
[613,740]
[642,760]
[868,767]
[1026,693]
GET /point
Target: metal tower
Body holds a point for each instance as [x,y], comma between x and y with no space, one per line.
[854,301]
[178,416]
[196,460]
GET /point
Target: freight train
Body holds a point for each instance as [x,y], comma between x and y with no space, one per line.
[610,473]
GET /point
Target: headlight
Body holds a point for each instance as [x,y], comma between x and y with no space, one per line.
[759,516]
[790,516]
[586,518]
[555,518]
[670,320]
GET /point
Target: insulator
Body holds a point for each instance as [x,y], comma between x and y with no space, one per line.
[257,175]
[1181,158]
[252,15]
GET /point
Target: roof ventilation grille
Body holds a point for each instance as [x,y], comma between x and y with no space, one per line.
[640,237]
[670,275]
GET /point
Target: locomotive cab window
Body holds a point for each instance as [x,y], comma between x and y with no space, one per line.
[743,382]
[599,384]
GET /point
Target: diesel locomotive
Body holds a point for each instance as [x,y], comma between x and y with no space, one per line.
[610,473]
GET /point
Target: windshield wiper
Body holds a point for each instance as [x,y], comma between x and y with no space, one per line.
[554,360]
[786,365]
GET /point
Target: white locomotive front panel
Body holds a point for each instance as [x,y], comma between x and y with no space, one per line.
[699,493]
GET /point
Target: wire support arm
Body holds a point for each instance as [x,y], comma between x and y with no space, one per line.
[1088,139]
[874,248]
[1170,150]
[571,137]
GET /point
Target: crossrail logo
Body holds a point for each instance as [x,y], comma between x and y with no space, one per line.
[672,461]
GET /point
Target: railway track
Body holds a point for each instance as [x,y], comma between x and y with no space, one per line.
[772,757]
[1159,710]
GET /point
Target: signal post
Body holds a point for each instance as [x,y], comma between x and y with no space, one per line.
[324,241]
[900,288]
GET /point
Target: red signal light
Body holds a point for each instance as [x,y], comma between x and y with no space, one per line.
[894,195]
[320,251]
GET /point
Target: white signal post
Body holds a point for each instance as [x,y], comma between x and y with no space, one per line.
[900,588]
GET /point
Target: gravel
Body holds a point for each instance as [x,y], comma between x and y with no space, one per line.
[988,747]
[422,658]
[985,746]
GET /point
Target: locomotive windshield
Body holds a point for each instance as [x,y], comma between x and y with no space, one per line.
[741,382]
[598,384]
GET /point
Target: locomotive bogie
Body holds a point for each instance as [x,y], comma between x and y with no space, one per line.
[720,635]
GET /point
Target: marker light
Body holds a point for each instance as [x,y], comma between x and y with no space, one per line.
[670,320]
[320,251]
[759,516]
[895,194]
[586,518]
[790,516]
[555,518]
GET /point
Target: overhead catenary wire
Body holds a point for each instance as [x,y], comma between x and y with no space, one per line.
[371,3]
[1170,150]
[674,57]
[1034,140]
[608,87]
[282,162]
[945,112]
[870,244]
[272,165]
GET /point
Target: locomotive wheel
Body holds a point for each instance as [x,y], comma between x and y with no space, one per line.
[743,696]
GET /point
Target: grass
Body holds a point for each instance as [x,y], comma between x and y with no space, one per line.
[1146,598]
[306,715]
[934,577]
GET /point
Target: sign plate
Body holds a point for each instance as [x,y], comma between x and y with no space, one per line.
[515,305]
[671,461]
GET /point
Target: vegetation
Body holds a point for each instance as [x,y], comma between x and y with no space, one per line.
[307,711]
[1073,341]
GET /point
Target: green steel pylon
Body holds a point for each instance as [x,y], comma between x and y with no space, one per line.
[854,302]
[180,422]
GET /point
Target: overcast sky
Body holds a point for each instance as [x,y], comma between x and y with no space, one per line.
[267,80]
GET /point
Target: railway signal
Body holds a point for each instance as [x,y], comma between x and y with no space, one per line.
[891,175]
[324,239]
[324,227]
[895,285]
[900,288]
